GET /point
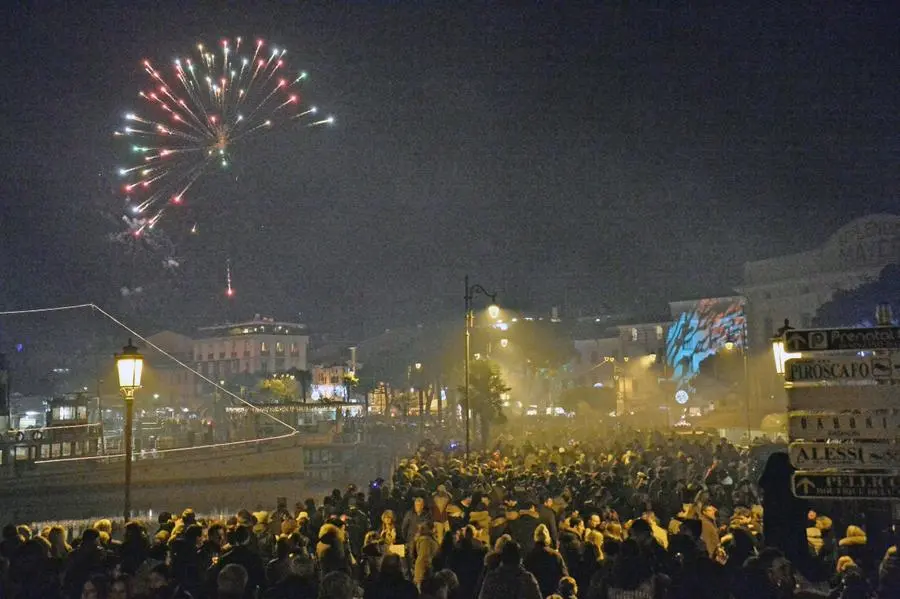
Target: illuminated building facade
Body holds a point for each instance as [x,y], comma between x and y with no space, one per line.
[795,286]
[260,346]
[328,382]
[700,329]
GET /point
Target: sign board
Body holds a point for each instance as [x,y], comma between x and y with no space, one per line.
[810,370]
[812,340]
[843,398]
[843,426]
[832,485]
[858,456]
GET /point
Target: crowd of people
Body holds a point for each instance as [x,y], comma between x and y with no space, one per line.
[635,516]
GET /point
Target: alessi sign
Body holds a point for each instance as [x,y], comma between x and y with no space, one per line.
[859,456]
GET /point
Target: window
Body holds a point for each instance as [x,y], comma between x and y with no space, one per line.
[659,332]
[45,451]
[634,334]
[279,347]
[21,454]
[246,349]
[63,413]
[263,348]
[294,349]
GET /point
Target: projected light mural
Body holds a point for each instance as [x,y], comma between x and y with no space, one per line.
[700,333]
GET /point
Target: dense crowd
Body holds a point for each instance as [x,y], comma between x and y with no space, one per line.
[635,516]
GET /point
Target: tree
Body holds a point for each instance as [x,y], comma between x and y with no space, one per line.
[601,400]
[304,381]
[856,307]
[486,386]
[282,388]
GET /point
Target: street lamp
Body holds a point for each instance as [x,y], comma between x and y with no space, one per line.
[130,365]
[493,312]
[779,353]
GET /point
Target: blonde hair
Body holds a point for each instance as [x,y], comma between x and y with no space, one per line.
[104,525]
[542,535]
[56,535]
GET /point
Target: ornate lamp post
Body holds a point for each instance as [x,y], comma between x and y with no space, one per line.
[493,312]
[130,365]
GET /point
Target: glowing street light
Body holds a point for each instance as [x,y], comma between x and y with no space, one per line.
[130,366]
[493,312]
[779,353]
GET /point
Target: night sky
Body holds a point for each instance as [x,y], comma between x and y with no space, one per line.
[599,158]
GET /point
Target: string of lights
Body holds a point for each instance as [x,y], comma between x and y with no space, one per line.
[39,310]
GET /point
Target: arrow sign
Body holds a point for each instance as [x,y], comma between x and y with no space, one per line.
[809,370]
[843,398]
[859,456]
[821,426]
[830,485]
[804,485]
[811,340]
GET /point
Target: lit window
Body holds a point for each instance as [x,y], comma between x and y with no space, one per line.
[263,347]
[659,332]
[279,347]
[63,413]
[634,334]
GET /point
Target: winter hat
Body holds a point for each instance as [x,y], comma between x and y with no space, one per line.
[844,562]
[855,536]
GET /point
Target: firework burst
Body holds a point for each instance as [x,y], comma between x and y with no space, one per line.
[195,113]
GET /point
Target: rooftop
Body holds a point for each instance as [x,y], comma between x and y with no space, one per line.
[258,324]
